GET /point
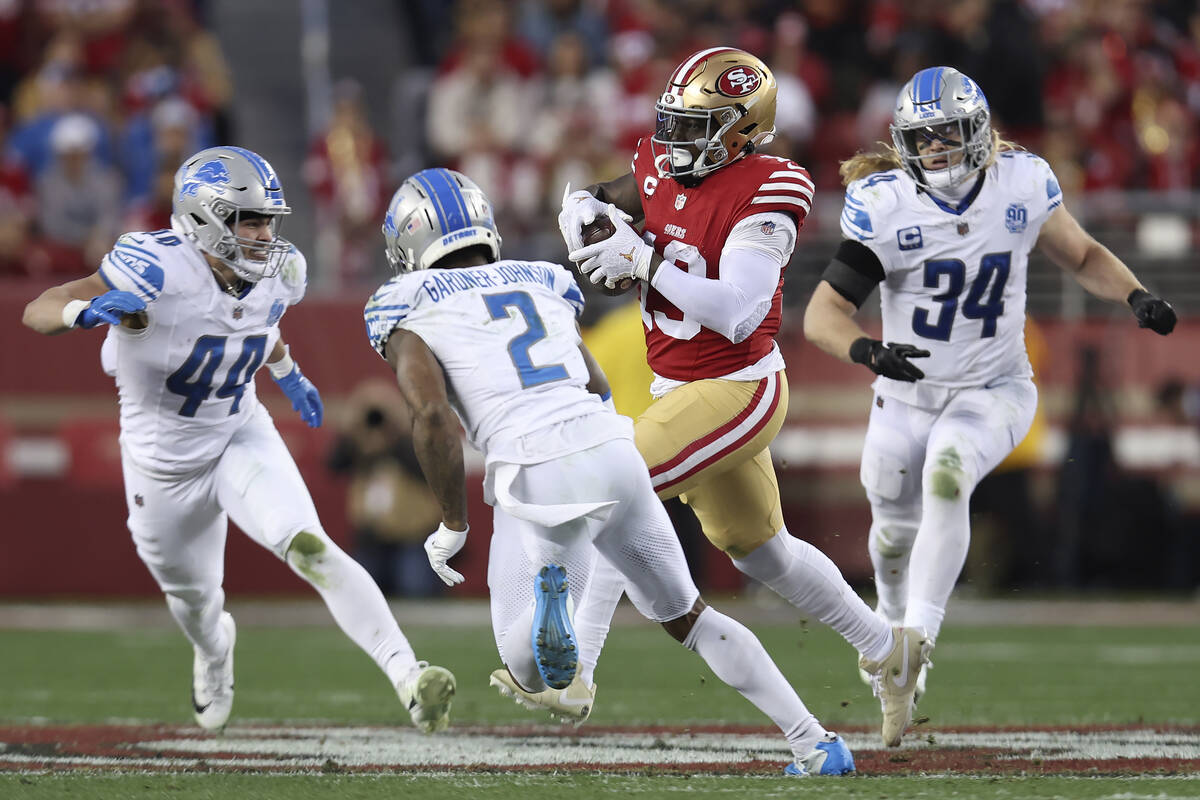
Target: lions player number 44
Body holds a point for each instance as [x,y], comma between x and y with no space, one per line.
[992,265]
[209,351]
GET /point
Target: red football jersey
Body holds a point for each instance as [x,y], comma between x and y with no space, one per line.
[689,227]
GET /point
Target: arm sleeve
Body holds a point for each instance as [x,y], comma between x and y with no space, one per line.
[854,272]
[752,262]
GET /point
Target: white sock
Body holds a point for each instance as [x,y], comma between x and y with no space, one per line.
[358,607]
[737,657]
[198,613]
[890,546]
[516,651]
[593,617]
[806,578]
[937,559]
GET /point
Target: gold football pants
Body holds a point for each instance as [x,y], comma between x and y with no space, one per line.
[707,443]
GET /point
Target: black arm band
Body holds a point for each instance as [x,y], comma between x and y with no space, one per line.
[1135,295]
[854,272]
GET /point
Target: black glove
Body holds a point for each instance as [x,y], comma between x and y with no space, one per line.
[890,361]
[1152,312]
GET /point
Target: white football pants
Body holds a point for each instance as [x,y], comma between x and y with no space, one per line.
[634,534]
[919,467]
[179,526]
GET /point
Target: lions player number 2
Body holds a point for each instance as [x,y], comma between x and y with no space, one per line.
[993,275]
[518,348]
[205,358]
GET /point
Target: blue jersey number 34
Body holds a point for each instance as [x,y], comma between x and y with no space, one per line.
[993,275]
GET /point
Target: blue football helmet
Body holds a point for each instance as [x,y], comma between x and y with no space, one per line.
[213,189]
[434,213]
[942,103]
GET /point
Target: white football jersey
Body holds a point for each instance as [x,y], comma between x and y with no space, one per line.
[186,380]
[955,276]
[506,337]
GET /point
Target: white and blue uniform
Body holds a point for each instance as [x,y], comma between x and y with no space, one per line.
[562,471]
[954,285]
[196,444]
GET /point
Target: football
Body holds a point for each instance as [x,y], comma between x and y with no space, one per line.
[597,231]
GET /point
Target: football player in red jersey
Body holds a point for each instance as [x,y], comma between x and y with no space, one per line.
[719,222]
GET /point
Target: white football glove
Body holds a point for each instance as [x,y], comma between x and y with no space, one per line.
[622,255]
[442,545]
[578,209]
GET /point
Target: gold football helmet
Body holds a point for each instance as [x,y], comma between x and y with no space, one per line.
[719,105]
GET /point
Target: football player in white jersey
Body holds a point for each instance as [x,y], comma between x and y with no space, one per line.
[496,343]
[943,222]
[193,313]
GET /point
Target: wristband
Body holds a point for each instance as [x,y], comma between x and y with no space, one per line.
[860,351]
[1135,295]
[283,367]
[72,310]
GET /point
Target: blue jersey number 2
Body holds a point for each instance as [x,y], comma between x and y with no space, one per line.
[518,348]
[204,359]
[993,275]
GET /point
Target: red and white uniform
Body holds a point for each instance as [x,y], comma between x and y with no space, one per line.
[689,227]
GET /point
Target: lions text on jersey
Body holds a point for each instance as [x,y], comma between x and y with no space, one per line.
[186,379]
[506,337]
[689,227]
[954,275]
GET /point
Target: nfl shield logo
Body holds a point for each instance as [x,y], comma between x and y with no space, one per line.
[680,199]
[138,500]
[767,228]
[238,311]
[963,228]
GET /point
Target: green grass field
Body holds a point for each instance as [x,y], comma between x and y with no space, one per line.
[984,676]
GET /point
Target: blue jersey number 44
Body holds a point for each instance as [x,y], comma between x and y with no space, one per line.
[983,300]
[194,378]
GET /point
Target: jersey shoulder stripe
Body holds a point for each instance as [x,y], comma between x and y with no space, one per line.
[868,203]
[386,309]
[134,265]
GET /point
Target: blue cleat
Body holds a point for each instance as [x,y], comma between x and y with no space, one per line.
[831,756]
[554,647]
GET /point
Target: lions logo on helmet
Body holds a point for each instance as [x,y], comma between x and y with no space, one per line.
[718,106]
[434,213]
[211,173]
[942,104]
[214,189]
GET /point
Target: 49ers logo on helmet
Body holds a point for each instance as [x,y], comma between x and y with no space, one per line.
[738,81]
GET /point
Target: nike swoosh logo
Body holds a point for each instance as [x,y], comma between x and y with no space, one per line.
[200,709]
[903,668]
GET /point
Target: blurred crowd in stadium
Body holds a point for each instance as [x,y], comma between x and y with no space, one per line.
[100,100]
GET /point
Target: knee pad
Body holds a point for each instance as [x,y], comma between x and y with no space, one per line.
[308,552]
[946,476]
[891,539]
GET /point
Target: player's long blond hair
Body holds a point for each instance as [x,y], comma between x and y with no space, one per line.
[860,165]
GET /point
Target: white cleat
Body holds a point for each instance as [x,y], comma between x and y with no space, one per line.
[427,692]
[572,704]
[865,677]
[212,682]
[894,680]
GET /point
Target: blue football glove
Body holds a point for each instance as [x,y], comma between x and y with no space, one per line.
[304,396]
[108,308]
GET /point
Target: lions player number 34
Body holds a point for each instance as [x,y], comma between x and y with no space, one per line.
[993,275]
